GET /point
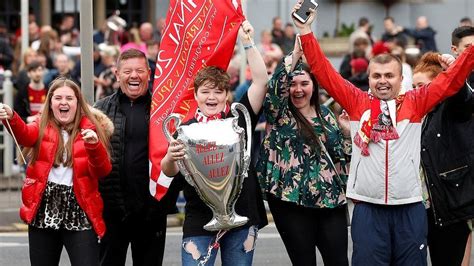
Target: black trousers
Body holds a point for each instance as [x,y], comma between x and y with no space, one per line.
[303,229]
[46,246]
[147,240]
[446,243]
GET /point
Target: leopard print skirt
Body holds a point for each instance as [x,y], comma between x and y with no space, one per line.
[59,210]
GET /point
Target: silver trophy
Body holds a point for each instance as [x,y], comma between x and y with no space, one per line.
[217,161]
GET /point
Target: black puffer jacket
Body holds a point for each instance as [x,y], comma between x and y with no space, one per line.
[118,201]
[447,157]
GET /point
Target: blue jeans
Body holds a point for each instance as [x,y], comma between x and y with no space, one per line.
[237,247]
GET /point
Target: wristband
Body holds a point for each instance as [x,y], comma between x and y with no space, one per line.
[248,46]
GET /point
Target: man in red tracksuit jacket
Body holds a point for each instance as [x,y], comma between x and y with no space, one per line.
[389,225]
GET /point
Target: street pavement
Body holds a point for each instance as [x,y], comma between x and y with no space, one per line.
[14,243]
[269,251]
[14,240]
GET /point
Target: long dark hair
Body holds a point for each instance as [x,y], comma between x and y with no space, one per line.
[306,130]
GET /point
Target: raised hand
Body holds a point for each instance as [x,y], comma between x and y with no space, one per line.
[246,33]
[89,136]
[303,28]
[446,60]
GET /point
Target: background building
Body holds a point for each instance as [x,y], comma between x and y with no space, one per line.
[444,15]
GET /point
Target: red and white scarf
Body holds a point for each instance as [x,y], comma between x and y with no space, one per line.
[380,123]
[201,117]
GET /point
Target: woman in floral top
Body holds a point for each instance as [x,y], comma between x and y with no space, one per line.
[303,186]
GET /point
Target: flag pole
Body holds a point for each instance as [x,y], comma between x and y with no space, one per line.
[25,35]
[243,58]
[87,56]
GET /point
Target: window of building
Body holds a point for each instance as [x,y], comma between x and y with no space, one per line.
[65,7]
[10,13]
[133,11]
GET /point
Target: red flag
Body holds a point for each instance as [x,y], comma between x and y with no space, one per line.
[198,33]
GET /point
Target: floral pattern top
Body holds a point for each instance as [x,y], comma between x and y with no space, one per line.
[289,168]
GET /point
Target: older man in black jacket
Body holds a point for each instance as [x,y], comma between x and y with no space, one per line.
[132,216]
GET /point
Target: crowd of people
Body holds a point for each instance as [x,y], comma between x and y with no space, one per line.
[390,131]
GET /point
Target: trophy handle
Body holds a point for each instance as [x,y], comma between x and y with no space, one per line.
[169,137]
[177,122]
[238,106]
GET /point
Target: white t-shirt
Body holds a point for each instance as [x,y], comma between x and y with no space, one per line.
[61,175]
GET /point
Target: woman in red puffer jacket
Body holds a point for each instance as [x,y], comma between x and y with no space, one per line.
[67,152]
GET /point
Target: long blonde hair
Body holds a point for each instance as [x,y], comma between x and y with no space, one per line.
[47,118]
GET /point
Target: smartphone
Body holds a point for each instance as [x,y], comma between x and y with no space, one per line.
[303,13]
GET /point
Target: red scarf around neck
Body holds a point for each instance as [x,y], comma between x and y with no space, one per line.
[201,117]
[379,125]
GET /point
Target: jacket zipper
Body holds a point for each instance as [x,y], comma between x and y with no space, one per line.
[444,174]
[355,178]
[386,171]
[50,167]
[429,193]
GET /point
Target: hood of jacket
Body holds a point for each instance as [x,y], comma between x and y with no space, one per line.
[104,121]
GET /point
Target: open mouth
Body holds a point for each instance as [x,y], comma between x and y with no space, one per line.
[134,85]
[64,110]
[298,95]
[383,88]
[211,105]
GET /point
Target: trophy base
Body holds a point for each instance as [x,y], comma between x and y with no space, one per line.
[225,223]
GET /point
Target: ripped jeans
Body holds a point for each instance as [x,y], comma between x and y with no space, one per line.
[237,247]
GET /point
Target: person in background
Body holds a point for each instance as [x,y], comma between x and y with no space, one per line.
[49,46]
[160,28]
[99,67]
[135,41]
[152,49]
[62,67]
[21,79]
[380,47]
[268,48]
[29,101]
[6,51]
[447,158]
[465,21]
[359,77]
[146,32]
[424,35]
[363,31]
[360,46]
[67,152]
[289,38]
[302,166]
[33,32]
[277,31]
[407,83]
[67,31]
[393,32]
[106,83]
[99,34]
